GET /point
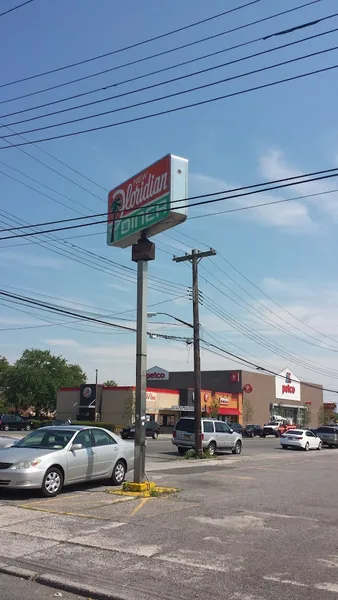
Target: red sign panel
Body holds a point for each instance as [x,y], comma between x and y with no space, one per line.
[145,187]
[234,377]
[247,388]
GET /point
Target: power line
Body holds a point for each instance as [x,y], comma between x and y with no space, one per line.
[182,92]
[262,340]
[51,168]
[229,197]
[43,305]
[15,8]
[258,367]
[258,315]
[333,171]
[131,46]
[177,109]
[95,262]
[159,84]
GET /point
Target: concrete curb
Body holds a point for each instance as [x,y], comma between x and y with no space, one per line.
[61,583]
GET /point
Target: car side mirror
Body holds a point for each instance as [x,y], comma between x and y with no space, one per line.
[76,447]
[231,430]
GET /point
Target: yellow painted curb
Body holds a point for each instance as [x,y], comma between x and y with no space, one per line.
[142,490]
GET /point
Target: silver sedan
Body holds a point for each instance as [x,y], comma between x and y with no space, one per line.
[52,457]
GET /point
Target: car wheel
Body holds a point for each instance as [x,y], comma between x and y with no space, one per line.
[155,435]
[320,445]
[212,448]
[28,427]
[181,450]
[119,473]
[307,446]
[284,447]
[6,428]
[237,449]
[52,482]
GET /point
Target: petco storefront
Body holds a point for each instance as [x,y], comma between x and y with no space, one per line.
[288,398]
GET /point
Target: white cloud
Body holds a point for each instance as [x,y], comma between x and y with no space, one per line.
[293,217]
[273,165]
[64,343]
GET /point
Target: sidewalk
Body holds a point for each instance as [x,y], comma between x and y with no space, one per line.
[222,529]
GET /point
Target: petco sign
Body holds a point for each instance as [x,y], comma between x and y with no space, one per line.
[157,374]
[287,386]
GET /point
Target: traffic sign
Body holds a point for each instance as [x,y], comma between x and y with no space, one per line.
[152,201]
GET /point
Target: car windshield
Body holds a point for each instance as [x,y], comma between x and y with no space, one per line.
[45,440]
[250,426]
[294,432]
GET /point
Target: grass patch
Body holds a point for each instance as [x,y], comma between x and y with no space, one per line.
[191,454]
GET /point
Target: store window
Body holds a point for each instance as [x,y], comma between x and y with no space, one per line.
[167,420]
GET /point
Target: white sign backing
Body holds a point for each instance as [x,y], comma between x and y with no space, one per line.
[287,386]
[157,374]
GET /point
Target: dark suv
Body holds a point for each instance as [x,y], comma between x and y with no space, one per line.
[8,422]
[329,435]
[253,430]
[152,430]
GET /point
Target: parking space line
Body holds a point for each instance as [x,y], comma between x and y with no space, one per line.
[138,507]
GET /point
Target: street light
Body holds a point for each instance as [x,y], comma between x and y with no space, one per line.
[154,314]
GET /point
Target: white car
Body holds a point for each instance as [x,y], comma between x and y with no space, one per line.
[300,438]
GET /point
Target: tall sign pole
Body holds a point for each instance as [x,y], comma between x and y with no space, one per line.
[148,203]
[195,258]
[142,252]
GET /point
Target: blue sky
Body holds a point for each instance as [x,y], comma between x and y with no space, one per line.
[287,250]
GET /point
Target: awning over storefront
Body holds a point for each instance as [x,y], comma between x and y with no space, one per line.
[228,411]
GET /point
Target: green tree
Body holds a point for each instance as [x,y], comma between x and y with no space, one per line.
[110,383]
[36,376]
[4,368]
[129,408]
[213,407]
[306,416]
[321,419]
[247,411]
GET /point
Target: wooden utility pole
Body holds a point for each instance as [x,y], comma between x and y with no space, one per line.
[194,258]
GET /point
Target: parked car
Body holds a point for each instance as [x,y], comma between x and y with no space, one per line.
[8,422]
[236,427]
[252,431]
[6,441]
[216,436]
[152,430]
[329,435]
[51,457]
[300,438]
[276,428]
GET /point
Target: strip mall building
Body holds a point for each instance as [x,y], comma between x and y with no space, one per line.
[239,396]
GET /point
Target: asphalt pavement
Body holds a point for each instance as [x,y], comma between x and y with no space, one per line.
[162,449]
[15,588]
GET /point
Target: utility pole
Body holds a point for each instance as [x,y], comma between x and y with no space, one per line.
[142,252]
[194,258]
[96,401]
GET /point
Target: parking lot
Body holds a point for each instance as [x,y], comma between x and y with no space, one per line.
[257,525]
[162,449]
